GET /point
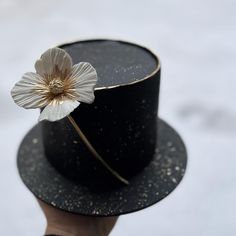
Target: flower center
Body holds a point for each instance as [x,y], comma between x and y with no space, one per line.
[56,86]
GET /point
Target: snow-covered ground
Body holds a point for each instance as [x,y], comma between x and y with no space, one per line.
[196,41]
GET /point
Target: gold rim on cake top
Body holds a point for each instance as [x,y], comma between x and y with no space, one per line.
[126,42]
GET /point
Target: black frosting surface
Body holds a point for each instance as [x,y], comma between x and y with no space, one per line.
[120,124]
[116,62]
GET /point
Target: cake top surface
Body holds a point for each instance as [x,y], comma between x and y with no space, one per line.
[116,62]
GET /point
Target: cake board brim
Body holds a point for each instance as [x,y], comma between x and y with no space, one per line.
[151,185]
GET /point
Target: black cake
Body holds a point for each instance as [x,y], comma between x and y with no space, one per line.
[123,126]
[121,123]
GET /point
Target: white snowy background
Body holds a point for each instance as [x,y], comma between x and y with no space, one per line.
[196,41]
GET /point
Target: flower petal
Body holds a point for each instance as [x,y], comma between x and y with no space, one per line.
[57,110]
[51,59]
[28,92]
[85,78]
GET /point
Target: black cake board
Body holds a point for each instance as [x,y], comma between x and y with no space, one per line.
[154,183]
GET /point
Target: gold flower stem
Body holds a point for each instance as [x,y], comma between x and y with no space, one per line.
[94,152]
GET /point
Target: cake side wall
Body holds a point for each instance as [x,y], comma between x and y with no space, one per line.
[121,124]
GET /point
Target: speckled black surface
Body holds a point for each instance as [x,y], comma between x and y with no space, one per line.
[120,123]
[116,62]
[151,185]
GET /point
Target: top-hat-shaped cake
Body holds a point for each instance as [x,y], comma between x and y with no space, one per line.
[144,157]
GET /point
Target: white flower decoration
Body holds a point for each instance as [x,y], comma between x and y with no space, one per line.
[58,86]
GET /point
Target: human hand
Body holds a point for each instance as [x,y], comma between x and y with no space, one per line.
[67,224]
